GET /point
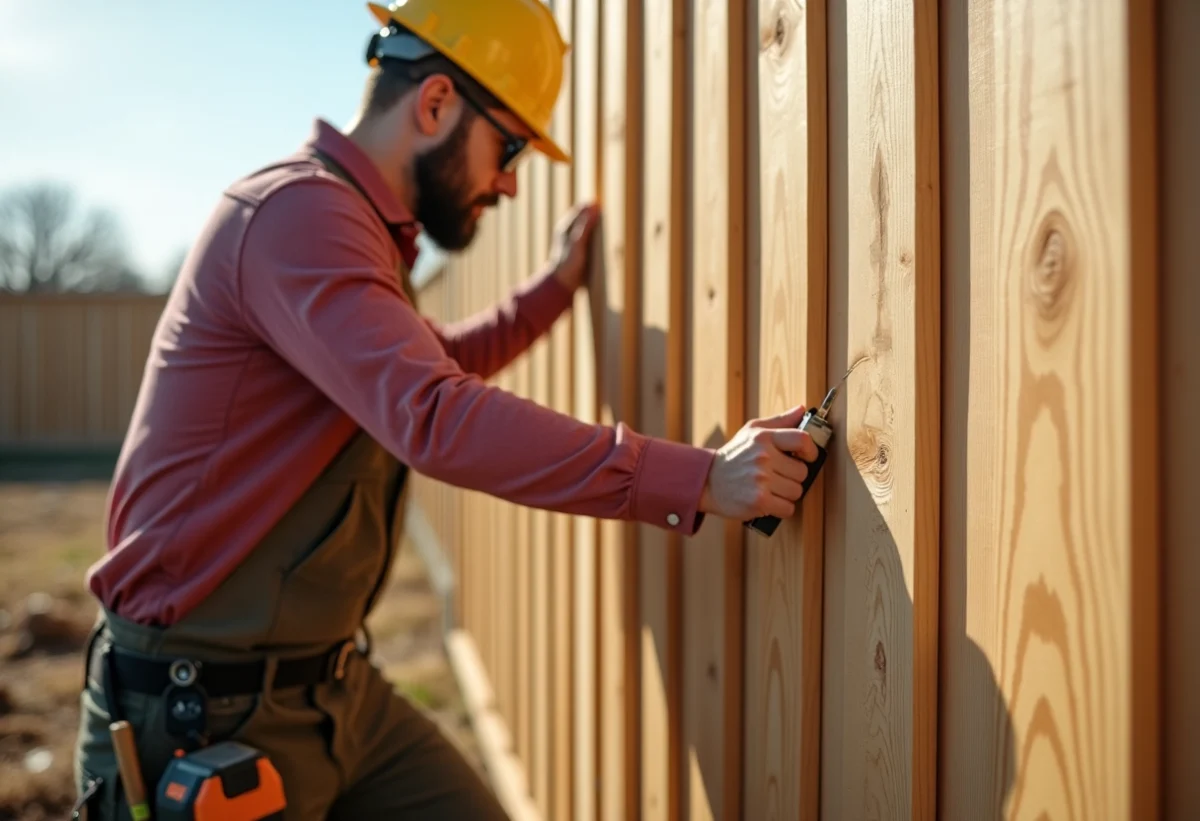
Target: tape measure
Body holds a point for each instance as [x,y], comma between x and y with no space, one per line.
[227,781]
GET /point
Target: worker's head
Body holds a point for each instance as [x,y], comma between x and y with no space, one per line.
[465,88]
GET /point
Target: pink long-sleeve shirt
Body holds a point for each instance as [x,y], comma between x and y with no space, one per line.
[287,331]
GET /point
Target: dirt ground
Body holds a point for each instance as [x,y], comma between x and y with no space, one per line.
[49,534]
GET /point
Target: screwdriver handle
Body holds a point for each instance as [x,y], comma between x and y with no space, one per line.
[125,749]
[821,433]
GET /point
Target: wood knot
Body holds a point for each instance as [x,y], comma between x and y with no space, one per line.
[880,659]
[905,258]
[660,388]
[871,450]
[658,228]
[1053,273]
[712,293]
[778,25]
[712,671]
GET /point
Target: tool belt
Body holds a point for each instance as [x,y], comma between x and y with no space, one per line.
[222,781]
[153,676]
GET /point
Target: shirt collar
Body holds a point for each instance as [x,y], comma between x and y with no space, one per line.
[403,225]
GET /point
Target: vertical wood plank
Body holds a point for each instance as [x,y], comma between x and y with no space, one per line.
[621,124]
[784,572]
[562,543]
[504,606]
[519,272]
[1180,209]
[713,562]
[661,395]
[540,591]
[12,353]
[880,716]
[1058,592]
[586,75]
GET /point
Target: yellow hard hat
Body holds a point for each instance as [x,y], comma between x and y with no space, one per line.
[512,48]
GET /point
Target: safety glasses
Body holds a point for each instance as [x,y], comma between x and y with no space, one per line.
[514,146]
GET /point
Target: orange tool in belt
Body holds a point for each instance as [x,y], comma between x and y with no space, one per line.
[227,781]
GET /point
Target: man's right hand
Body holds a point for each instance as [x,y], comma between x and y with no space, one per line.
[753,475]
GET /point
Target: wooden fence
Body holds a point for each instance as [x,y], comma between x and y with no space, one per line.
[994,204]
[70,366]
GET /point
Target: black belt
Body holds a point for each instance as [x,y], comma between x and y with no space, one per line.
[151,676]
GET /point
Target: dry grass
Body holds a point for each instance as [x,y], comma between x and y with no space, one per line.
[49,535]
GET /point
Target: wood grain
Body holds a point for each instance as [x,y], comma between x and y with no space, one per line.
[713,561]
[586,75]
[880,716]
[1053,592]
[784,572]
[663,233]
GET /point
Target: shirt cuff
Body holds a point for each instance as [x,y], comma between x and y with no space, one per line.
[544,299]
[669,481]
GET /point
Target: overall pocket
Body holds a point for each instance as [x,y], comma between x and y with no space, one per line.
[324,592]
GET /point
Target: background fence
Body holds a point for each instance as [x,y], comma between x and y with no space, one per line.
[70,366]
[993,203]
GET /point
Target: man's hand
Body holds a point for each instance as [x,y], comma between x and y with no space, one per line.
[753,475]
[569,252]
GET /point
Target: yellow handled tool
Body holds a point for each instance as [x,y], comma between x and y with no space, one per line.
[131,770]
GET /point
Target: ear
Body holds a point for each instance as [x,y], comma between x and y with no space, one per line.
[435,104]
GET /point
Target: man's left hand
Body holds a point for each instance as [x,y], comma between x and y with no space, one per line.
[570,252]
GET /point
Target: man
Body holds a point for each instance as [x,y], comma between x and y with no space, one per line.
[292,384]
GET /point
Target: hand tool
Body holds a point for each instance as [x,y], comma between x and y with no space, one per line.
[131,770]
[815,423]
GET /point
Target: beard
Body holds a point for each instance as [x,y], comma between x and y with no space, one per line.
[444,200]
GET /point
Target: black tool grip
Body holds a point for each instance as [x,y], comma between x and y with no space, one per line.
[766,525]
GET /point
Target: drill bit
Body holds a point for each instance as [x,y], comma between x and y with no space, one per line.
[823,411]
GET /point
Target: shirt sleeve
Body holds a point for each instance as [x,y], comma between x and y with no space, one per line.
[317,284]
[490,340]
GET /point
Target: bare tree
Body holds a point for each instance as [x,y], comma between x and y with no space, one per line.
[47,244]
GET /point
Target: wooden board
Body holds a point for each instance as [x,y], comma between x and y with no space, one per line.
[1180,209]
[562,556]
[540,615]
[788,196]
[879,717]
[1050,684]
[620,195]
[586,68]
[661,394]
[712,563]
[505,513]
[522,595]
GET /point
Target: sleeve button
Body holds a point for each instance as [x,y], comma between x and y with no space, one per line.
[673,519]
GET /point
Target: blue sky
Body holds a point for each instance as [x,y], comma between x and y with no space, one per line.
[151,108]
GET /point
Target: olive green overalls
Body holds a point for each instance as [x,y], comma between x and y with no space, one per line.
[347,747]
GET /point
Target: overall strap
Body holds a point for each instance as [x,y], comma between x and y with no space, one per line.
[335,168]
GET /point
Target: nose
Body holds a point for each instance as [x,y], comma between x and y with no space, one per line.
[506,183]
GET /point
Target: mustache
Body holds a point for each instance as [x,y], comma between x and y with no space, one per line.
[487,200]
